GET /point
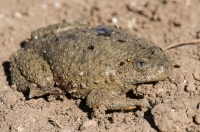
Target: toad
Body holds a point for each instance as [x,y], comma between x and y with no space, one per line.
[97,63]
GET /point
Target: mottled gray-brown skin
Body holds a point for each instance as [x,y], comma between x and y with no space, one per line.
[99,64]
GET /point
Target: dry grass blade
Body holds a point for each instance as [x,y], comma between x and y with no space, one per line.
[195,41]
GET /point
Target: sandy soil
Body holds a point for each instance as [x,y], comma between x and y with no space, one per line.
[175,101]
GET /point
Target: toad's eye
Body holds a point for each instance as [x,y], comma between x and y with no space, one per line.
[141,64]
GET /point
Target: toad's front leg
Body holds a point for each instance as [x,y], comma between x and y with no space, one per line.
[112,100]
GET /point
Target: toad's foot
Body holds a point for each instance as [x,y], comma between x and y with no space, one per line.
[112,100]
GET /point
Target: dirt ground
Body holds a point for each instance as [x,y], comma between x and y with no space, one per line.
[175,101]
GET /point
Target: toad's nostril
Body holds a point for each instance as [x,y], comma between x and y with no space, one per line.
[176,64]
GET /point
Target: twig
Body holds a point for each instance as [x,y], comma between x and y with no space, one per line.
[56,122]
[195,41]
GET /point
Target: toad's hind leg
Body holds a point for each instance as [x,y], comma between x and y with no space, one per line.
[31,73]
[112,101]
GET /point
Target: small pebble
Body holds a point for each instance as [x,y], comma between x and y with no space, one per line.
[20,128]
[196,75]
[131,23]
[139,114]
[1,16]
[114,20]
[191,87]
[65,129]
[88,125]
[190,113]
[197,117]
[17,15]
[57,5]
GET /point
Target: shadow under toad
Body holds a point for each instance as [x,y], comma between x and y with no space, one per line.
[6,67]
